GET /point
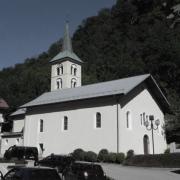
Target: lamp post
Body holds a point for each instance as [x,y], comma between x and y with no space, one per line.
[150,126]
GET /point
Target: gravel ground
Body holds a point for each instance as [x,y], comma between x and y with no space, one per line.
[118,172]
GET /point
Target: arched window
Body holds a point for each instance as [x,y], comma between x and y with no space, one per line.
[146,144]
[141,119]
[59,83]
[73,70]
[98,120]
[128,120]
[41,125]
[65,123]
[60,70]
[144,118]
[73,83]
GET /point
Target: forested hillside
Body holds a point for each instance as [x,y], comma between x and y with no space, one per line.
[133,37]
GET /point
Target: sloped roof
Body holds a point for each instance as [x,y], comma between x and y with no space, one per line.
[67,50]
[3,104]
[115,87]
[66,54]
[19,112]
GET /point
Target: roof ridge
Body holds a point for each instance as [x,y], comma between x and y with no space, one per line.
[99,83]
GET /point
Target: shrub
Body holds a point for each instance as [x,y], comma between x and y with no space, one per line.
[111,157]
[157,160]
[120,158]
[102,155]
[78,154]
[90,156]
[130,154]
[167,151]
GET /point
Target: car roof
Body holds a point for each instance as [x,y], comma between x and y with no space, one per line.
[87,163]
[33,168]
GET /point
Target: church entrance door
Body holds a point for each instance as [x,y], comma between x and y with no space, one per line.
[146,144]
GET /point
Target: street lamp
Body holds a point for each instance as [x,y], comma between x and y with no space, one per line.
[150,126]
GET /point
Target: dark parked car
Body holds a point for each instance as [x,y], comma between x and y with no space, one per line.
[21,152]
[27,173]
[84,171]
[60,162]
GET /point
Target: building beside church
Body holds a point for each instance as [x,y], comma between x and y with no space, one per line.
[109,115]
[3,107]
[15,137]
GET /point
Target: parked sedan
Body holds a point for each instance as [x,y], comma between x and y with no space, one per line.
[84,171]
[27,173]
[60,162]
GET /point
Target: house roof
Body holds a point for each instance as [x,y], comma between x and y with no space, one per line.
[19,112]
[115,87]
[67,51]
[3,104]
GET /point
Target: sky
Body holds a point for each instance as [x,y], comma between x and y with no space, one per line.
[29,27]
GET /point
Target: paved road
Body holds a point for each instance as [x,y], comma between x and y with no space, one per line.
[119,172]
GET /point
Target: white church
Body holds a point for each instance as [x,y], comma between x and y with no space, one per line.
[114,115]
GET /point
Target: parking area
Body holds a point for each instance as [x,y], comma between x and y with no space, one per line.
[118,172]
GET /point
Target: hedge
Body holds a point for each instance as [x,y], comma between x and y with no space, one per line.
[103,156]
[157,160]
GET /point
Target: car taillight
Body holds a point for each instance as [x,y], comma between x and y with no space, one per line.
[85,175]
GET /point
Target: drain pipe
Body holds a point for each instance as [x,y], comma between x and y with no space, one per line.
[117,119]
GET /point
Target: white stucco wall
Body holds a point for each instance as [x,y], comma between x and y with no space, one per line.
[81,130]
[8,142]
[18,125]
[133,138]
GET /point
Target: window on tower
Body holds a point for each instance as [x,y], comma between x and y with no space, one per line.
[59,83]
[73,83]
[73,70]
[60,70]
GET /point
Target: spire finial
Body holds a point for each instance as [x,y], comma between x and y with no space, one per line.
[67,44]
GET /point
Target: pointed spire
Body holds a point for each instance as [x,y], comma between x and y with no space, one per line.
[67,44]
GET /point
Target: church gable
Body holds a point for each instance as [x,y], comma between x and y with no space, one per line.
[153,90]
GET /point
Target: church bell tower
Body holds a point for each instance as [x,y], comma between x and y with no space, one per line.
[66,66]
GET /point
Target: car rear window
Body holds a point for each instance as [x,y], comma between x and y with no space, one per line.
[88,168]
[43,175]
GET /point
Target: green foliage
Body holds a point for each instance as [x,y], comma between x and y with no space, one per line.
[102,155]
[111,158]
[167,151]
[90,156]
[78,154]
[130,154]
[120,158]
[157,160]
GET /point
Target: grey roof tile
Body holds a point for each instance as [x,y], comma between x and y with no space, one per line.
[121,86]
